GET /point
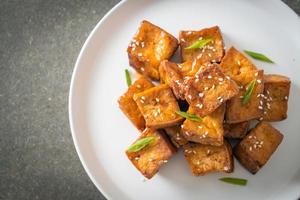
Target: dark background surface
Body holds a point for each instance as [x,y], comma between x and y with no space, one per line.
[39,43]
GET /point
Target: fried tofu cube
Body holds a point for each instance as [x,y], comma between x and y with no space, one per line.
[128,105]
[149,47]
[237,130]
[212,52]
[238,67]
[254,151]
[209,131]
[149,159]
[203,159]
[171,75]
[276,94]
[158,106]
[175,75]
[176,136]
[236,112]
[209,89]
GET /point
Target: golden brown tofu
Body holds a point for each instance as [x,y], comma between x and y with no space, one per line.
[237,130]
[149,159]
[256,148]
[204,159]
[149,47]
[176,75]
[128,105]
[237,112]
[238,67]
[276,95]
[171,75]
[212,52]
[176,136]
[209,131]
[158,106]
[209,89]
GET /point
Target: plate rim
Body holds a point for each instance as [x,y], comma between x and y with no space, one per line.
[71,92]
[72,87]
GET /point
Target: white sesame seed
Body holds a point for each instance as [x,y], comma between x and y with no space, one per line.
[241,97]
[239,63]
[286,97]
[260,119]
[142,101]
[214,61]
[250,148]
[165,161]
[157,100]
[226,168]
[255,146]
[250,137]
[214,50]
[258,95]
[209,76]
[256,74]
[199,105]
[180,67]
[142,97]
[221,100]
[138,86]
[261,102]
[265,112]
[258,81]
[201,94]
[200,127]
[228,77]
[142,69]
[182,39]
[208,151]
[260,107]
[199,56]
[140,54]
[209,54]
[213,87]
[189,32]
[190,96]
[136,158]
[221,79]
[206,88]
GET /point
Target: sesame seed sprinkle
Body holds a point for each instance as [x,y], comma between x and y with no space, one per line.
[157,100]
[138,86]
[258,81]
[142,69]
[190,96]
[209,76]
[199,105]
[201,94]
[256,74]
[286,97]
[260,107]
[142,97]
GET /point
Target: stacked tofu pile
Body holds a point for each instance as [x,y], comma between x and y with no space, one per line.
[210,85]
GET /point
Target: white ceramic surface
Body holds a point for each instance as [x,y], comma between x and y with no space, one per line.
[101,132]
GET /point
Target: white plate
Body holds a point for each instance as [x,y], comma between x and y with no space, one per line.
[101,132]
